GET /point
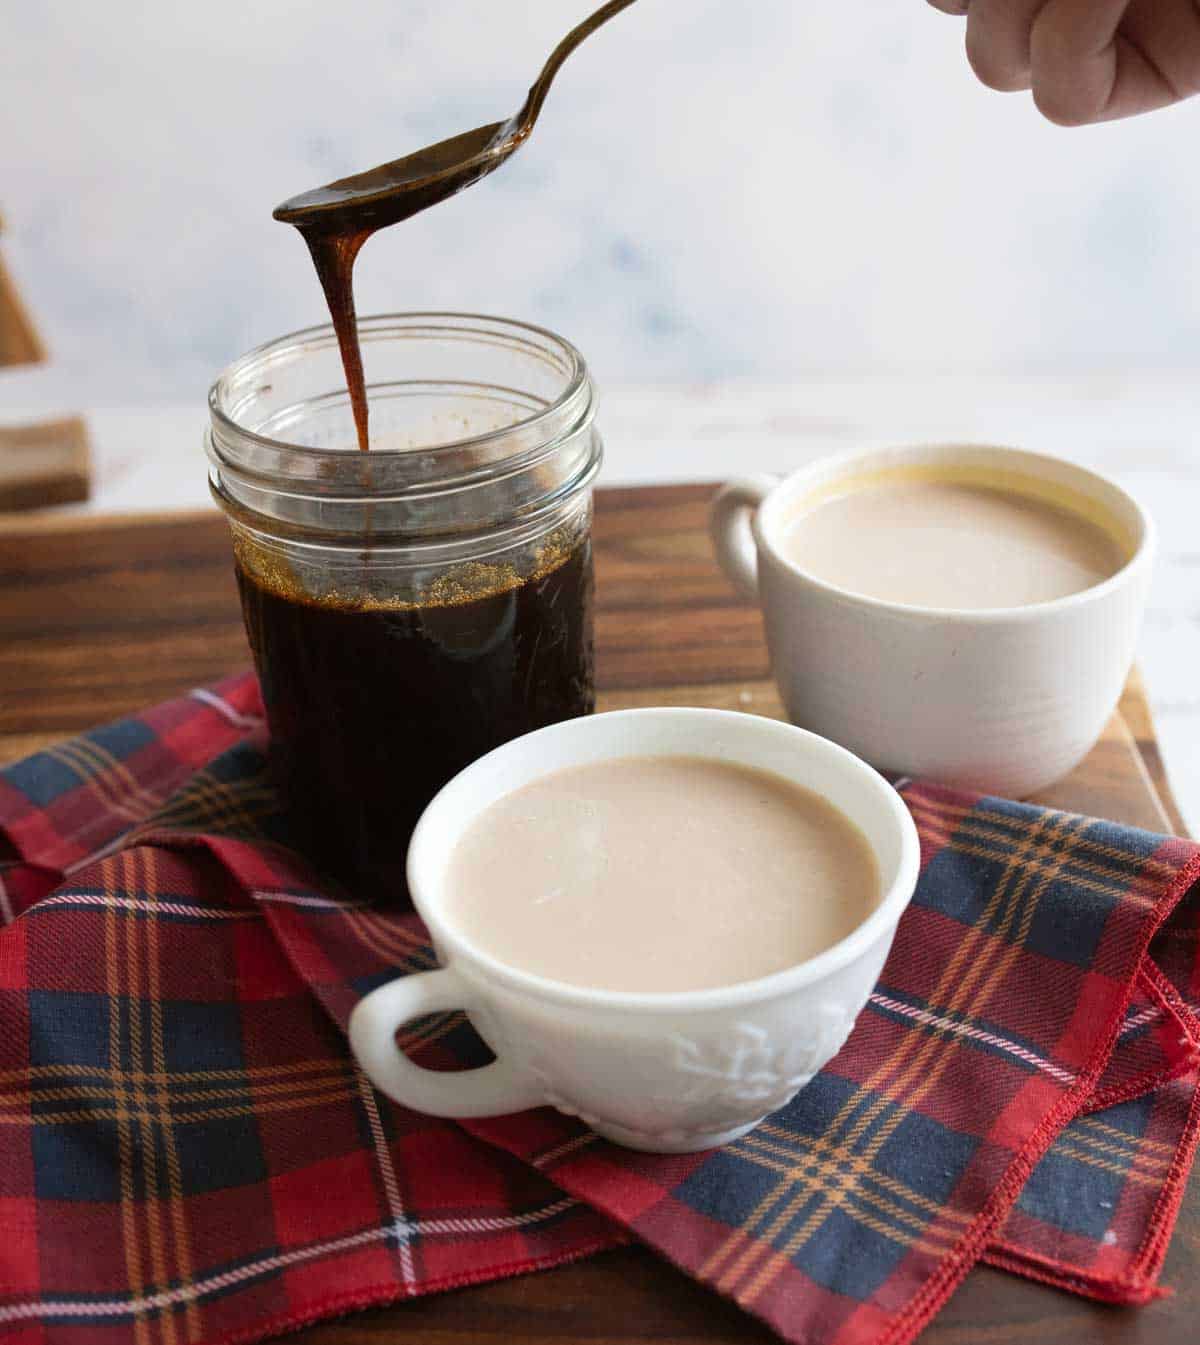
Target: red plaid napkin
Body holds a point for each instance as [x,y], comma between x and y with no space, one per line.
[189,1154]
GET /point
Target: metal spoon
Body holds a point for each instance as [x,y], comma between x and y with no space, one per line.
[394,191]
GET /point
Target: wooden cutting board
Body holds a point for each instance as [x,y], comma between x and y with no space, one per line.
[101,616]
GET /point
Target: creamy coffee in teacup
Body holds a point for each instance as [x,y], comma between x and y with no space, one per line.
[660,873]
[662,921]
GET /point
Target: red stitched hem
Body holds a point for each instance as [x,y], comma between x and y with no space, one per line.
[1173,1006]
[1150,1256]
[1173,1000]
[1134,1292]
[1138,1086]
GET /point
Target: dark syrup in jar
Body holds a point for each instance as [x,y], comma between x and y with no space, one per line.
[373,705]
[373,708]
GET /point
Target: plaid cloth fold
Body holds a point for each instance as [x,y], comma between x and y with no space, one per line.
[190,1154]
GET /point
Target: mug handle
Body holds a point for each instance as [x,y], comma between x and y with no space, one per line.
[729,518]
[491,1090]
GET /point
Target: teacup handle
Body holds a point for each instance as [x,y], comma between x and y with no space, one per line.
[491,1090]
[729,527]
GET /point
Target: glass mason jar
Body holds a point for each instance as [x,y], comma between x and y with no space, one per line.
[412,607]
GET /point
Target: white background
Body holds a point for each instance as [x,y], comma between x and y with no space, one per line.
[716,189]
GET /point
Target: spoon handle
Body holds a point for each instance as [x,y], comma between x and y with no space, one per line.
[541,86]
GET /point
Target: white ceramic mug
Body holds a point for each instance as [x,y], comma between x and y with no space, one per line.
[1005,700]
[668,1072]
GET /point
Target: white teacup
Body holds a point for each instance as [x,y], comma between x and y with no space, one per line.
[1005,700]
[671,1072]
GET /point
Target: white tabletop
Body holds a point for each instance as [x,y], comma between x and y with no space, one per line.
[1142,429]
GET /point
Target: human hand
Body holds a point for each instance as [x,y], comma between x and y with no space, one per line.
[1085,60]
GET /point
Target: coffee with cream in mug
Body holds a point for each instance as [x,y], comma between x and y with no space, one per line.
[660,873]
[950,544]
[959,612]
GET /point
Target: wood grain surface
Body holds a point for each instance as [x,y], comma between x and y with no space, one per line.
[100,616]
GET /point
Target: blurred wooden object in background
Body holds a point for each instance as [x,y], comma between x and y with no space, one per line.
[46,463]
[43,464]
[19,342]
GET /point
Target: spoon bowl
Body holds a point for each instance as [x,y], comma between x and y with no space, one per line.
[393,191]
